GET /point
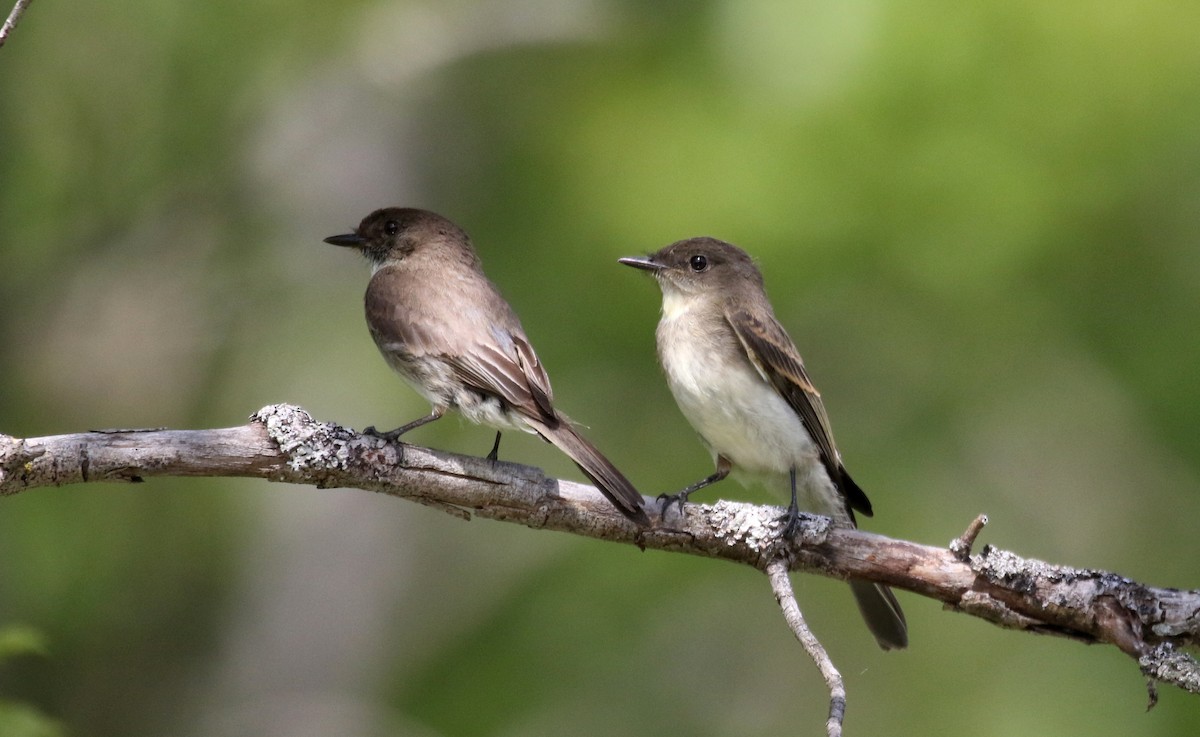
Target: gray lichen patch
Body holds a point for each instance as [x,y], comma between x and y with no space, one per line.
[760,528]
[1171,665]
[311,446]
[740,524]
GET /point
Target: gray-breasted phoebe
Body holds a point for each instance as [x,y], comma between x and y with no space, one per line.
[443,326]
[740,382]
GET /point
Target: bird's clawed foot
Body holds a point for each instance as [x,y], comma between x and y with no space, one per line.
[791,520]
[678,500]
[389,436]
[393,435]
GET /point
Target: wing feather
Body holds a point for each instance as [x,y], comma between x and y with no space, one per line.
[498,362]
[775,357]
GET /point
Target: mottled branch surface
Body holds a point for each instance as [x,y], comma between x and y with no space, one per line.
[283,443]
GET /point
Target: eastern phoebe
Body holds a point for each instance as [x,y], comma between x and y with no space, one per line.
[740,382]
[443,326]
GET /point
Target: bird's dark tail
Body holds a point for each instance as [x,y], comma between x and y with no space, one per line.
[883,615]
[610,481]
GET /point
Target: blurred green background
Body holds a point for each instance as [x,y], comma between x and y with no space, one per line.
[980,223]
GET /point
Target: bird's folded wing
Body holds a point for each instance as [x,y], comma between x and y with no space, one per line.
[775,357]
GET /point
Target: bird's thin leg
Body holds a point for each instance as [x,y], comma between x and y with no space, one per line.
[394,434]
[723,468]
[495,452]
[792,516]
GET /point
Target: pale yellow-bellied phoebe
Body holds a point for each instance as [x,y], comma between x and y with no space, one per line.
[443,326]
[740,382]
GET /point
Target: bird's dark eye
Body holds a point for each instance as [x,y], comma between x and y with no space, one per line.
[391,227]
[698,263]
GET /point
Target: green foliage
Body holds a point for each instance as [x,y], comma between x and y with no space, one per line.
[18,639]
[17,719]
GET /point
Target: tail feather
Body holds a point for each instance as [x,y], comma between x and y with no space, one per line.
[610,481]
[882,613]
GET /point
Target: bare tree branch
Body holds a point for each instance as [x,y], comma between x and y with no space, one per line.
[13,17]
[961,545]
[777,572]
[283,443]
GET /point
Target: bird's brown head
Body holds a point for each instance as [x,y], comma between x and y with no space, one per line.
[699,266]
[392,234]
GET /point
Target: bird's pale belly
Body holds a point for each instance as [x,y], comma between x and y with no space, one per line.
[741,417]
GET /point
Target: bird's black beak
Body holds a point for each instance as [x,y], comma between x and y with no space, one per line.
[352,240]
[645,264]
